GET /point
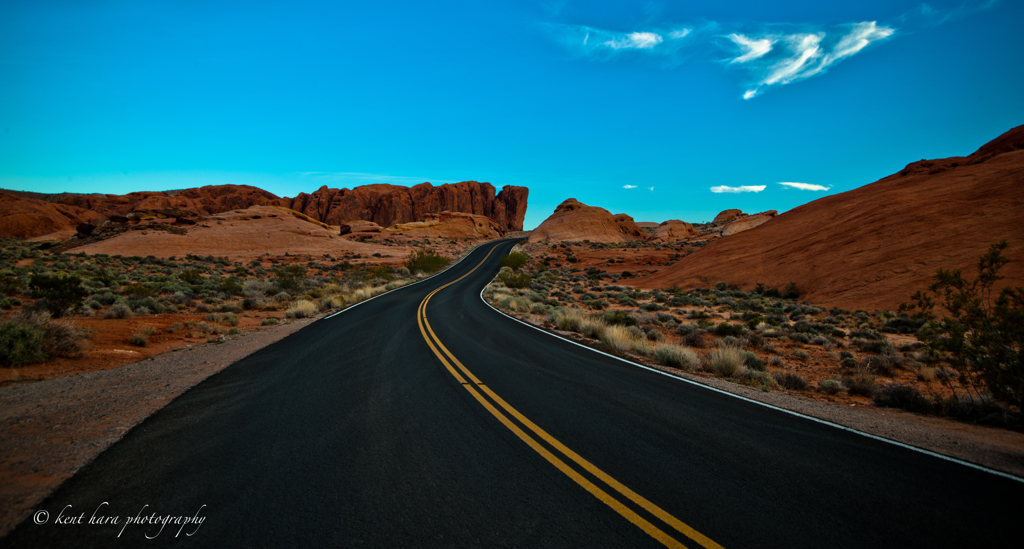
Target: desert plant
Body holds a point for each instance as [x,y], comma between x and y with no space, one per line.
[425,261]
[677,357]
[269,321]
[790,380]
[984,337]
[830,386]
[20,344]
[119,310]
[619,318]
[513,279]
[290,278]
[515,260]
[860,383]
[725,361]
[907,397]
[301,309]
[59,294]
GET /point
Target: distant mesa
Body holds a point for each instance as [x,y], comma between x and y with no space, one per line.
[872,247]
[450,225]
[575,221]
[29,215]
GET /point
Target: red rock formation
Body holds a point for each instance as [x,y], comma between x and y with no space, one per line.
[390,204]
[727,216]
[672,230]
[381,204]
[573,220]
[28,217]
[747,222]
[874,246]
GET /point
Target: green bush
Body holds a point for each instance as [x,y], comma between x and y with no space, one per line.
[861,383]
[677,357]
[515,260]
[20,344]
[513,279]
[426,261]
[619,318]
[830,386]
[290,278]
[984,337]
[59,293]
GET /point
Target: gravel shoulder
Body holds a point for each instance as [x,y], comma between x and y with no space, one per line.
[50,429]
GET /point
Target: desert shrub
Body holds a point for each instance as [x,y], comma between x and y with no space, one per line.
[515,260]
[58,294]
[301,309]
[830,386]
[425,261]
[282,296]
[175,327]
[755,378]
[149,305]
[677,357]
[926,373]
[984,337]
[726,361]
[290,278]
[592,327]
[790,380]
[190,276]
[721,286]
[20,344]
[231,319]
[119,310]
[653,334]
[60,338]
[800,337]
[897,395]
[751,361]
[861,383]
[141,337]
[513,279]
[695,339]
[619,318]
[257,288]
[776,361]
[881,365]
[848,362]
[234,331]
[726,329]
[269,321]
[800,354]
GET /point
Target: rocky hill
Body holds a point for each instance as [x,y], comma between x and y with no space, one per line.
[573,220]
[874,246]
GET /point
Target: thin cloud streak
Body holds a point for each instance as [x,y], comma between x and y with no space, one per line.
[804,186]
[629,186]
[741,189]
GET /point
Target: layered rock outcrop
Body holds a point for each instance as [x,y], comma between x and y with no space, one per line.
[573,220]
[746,222]
[388,205]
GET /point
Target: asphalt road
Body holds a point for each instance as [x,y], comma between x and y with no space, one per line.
[358,432]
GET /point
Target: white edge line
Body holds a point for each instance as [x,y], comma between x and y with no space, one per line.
[759,403]
[332,315]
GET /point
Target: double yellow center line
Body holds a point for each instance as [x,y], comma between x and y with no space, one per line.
[476,387]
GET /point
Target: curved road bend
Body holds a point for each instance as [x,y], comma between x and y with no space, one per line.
[426,419]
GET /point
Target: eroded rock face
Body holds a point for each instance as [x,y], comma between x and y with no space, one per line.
[573,220]
[382,204]
[359,227]
[747,222]
[450,225]
[672,230]
[388,205]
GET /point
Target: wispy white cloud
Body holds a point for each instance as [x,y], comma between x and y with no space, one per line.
[740,189]
[804,55]
[605,44]
[629,186]
[650,189]
[804,186]
[752,48]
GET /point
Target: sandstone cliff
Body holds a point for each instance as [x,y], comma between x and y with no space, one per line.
[573,220]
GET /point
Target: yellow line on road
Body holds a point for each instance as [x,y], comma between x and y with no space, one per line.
[597,492]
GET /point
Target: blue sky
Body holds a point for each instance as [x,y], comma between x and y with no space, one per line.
[637,107]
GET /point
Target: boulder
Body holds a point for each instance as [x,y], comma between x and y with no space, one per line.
[747,222]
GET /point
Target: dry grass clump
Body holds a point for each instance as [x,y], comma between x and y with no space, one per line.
[677,357]
[301,309]
[726,361]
